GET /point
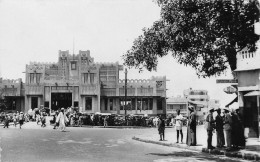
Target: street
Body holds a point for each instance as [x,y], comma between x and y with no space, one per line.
[89,144]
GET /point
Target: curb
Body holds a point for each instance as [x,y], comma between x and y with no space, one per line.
[183,146]
[233,154]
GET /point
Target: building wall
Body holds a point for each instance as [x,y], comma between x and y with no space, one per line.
[248,75]
[82,77]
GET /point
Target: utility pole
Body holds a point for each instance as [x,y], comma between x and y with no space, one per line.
[125,90]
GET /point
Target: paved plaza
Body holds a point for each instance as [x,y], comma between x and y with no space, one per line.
[33,143]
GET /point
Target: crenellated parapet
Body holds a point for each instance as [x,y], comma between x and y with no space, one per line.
[35,67]
[10,81]
[136,81]
[108,63]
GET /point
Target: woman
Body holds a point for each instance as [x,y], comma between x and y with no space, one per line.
[178,125]
[62,120]
[191,128]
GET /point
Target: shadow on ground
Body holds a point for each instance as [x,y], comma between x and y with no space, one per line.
[198,156]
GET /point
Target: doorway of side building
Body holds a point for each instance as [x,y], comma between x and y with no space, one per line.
[59,100]
[34,102]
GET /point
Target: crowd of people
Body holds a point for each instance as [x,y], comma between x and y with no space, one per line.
[17,118]
[228,126]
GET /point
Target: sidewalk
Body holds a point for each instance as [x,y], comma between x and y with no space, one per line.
[251,152]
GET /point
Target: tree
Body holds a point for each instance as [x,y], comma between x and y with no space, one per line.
[204,34]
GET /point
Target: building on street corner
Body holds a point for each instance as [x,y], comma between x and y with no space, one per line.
[77,81]
[198,98]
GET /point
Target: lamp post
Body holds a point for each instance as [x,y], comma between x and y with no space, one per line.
[125,90]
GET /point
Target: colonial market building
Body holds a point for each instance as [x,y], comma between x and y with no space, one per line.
[248,75]
[77,81]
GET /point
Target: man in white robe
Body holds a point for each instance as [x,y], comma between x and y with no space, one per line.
[62,120]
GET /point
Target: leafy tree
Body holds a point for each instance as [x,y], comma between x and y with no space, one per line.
[204,34]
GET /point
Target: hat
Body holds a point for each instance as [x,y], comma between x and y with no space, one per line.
[21,112]
[191,108]
[211,108]
[217,109]
[225,108]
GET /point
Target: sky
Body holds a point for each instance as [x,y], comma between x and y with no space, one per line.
[35,30]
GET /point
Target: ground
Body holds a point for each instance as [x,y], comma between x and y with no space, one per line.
[89,144]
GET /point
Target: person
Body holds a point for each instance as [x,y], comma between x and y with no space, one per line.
[161,128]
[191,128]
[6,121]
[210,127]
[54,119]
[15,119]
[38,118]
[62,120]
[219,129]
[43,119]
[178,125]
[227,127]
[105,121]
[237,134]
[21,119]
[240,133]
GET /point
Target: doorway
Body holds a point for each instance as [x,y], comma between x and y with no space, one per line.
[34,103]
[59,100]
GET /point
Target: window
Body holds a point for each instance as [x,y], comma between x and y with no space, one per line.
[88,103]
[46,104]
[73,65]
[92,75]
[145,103]
[85,77]
[150,103]
[121,101]
[111,104]
[38,77]
[159,104]
[31,77]
[76,104]
[106,103]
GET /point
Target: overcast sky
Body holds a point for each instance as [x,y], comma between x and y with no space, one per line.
[34,30]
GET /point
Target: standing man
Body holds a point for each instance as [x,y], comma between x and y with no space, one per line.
[105,121]
[178,125]
[227,127]
[219,129]
[210,127]
[191,128]
[161,128]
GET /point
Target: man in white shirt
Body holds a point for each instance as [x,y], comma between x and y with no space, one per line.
[178,126]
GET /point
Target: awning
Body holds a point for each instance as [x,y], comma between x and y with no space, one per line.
[253,93]
[234,100]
